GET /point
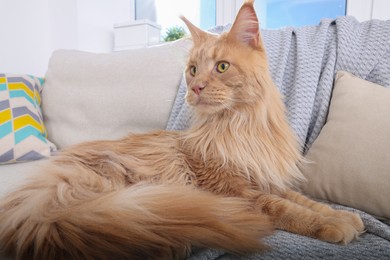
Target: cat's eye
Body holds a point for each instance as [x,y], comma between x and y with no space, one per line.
[222,66]
[193,70]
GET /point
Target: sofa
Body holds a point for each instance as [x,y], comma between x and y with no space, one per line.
[336,94]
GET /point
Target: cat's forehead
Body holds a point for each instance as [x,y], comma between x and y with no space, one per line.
[212,49]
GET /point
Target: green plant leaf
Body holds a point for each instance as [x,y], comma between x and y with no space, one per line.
[174,33]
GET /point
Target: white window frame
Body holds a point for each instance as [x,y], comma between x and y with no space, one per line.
[226,10]
[132,10]
[365,10]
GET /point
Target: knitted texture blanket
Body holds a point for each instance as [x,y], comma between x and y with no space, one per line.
[303,62]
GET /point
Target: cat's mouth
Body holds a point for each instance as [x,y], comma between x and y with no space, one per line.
[206,106]
[202,103]
[199,101]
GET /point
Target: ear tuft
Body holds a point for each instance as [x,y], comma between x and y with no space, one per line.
[246,27]
[198,35]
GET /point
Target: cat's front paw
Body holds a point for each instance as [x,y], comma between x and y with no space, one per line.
[352,218]
[336,230]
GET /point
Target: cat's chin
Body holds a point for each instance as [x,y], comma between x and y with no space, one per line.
[203,106]
[207,108]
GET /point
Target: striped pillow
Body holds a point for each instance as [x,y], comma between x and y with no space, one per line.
[22,132]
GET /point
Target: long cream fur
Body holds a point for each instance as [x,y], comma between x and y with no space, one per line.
[224,183]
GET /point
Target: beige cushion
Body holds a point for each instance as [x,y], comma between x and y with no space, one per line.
[91,96]
[351,156]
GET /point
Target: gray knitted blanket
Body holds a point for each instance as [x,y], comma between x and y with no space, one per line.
[303,62]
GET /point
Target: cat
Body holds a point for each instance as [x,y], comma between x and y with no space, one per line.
[226,182]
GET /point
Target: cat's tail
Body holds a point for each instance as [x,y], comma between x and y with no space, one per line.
[138,222]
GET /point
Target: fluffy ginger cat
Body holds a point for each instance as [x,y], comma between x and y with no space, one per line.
[224,183]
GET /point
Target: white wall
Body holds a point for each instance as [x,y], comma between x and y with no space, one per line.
[63,24]
[25,40]
[31,30]
[96,19]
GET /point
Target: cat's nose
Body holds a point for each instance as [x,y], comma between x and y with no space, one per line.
[197,89]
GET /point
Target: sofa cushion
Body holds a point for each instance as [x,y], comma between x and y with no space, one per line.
[349,162]
[16,174]
[22,131]
[92,96]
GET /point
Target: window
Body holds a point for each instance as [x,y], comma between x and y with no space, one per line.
[202,13]
[272,13]
[281,13]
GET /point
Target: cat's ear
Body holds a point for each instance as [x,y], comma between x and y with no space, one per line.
[246,27]
[198,35]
